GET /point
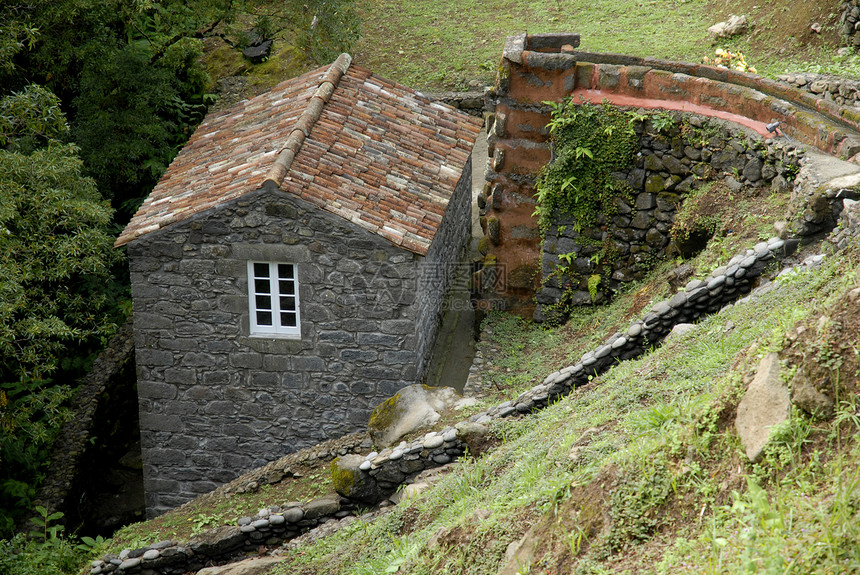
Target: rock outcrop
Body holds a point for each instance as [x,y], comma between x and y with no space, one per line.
[765,405]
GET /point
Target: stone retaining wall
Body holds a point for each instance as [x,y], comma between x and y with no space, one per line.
[74,437]
[667,167]
[849,23]
[473,103]
[843,91]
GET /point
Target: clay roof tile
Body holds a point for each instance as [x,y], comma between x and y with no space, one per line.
[373,152]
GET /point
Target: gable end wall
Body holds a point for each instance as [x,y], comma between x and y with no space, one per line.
[215,402]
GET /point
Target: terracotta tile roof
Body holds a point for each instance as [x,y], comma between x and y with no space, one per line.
[377,154]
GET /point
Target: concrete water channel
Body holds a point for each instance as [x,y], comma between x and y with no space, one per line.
[456,342]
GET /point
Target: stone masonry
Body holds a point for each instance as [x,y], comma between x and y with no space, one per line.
[548,67]
[666,168]
[215,401]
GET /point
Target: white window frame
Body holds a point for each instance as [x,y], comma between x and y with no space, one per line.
[276,284]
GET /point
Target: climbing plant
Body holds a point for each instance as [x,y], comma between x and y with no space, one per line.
[590,142]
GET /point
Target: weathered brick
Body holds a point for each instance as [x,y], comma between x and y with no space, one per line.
[266,379]
[398,357]
[220,408]
[156,422]
[178,344]
[165,456]
[361,355]
[397,326]
[152,321]
[248,360]
[336,336]
[199,359]
[308,363]
[278,363]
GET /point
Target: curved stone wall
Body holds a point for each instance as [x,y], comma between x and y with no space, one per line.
[843,91]
[667,167]
[540,68]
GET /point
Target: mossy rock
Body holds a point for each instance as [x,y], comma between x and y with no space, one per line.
[412,408]
[484,246]
[353,483]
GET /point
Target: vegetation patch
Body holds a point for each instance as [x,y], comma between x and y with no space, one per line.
[589,143]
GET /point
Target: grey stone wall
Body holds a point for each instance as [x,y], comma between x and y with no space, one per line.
[214,401]
[437,269]
[849,23]
[111,371]
[843,91]
[473,103]
[667,167]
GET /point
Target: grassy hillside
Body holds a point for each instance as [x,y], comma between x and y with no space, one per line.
[457,44]
[642,470]
[433,45]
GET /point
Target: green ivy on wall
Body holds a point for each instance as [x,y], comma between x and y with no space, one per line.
[590,142]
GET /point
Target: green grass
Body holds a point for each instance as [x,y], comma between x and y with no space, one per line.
[446,44]
[656,447]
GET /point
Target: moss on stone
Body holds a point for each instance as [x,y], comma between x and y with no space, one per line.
[342,479]
[384,414]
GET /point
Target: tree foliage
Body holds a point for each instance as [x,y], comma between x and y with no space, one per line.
[56,291]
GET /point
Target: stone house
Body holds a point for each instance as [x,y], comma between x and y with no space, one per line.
[288,272]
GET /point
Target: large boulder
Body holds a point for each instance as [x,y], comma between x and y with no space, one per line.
[765,405]
[734,26]
[411,409]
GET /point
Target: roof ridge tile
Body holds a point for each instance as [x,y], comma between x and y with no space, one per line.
[307,119]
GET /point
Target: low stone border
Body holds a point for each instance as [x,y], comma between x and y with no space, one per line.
[221,545]
[473,103]
[843,91]
[698,298]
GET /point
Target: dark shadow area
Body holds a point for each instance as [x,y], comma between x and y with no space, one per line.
[107,491]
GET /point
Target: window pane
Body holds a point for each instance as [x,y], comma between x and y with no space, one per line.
[264,302]
[288,303]
[261,270]
[287,287]
[262,286]
[264,318]
[285,271]
[288,319]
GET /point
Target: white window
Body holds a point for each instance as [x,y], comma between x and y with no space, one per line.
[273,297]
